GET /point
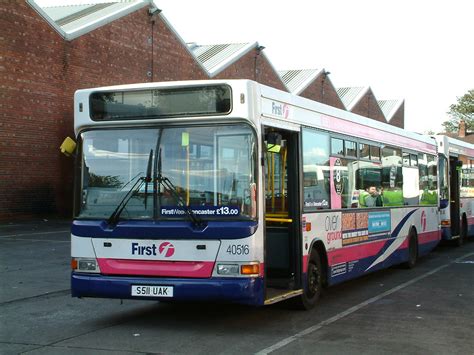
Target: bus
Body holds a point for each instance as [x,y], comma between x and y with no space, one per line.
[457,197]
[233,191]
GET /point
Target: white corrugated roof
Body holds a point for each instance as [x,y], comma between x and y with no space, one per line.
[389,107]
[216,57]
[350,96]
[72,21]
[298,79]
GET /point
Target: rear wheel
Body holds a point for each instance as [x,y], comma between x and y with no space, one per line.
[313,286]
[463,234]
[412,251]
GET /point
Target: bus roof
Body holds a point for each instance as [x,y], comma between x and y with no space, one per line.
[273,106]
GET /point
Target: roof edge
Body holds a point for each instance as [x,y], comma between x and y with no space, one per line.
[48,19]
[69,36]
[107,19]
[232,59]
[308,81]
[394,109]
[357,98]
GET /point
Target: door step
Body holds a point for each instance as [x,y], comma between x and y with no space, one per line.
[275,295]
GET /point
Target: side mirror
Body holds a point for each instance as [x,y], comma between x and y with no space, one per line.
[68,147]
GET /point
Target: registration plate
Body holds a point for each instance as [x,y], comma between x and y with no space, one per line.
[152,291]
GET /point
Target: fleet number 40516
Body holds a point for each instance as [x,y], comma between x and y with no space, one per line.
[238,249]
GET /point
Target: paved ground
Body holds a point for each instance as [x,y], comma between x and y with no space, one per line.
[427,310]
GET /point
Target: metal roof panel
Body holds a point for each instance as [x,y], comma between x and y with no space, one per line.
[389,107]
[298,80]
[351,95]
[216,57]
[72,21]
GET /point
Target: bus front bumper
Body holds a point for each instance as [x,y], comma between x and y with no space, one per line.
[235,290]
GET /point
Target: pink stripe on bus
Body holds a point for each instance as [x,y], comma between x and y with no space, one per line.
[355,252]
[156,268]
[359,130]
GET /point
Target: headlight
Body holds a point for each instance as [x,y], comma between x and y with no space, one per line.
[228,269]
[85,265]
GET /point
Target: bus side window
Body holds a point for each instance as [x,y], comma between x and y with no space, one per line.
[316,170]
[392,178]
[369,184]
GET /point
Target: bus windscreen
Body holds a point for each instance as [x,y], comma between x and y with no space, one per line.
[160,103]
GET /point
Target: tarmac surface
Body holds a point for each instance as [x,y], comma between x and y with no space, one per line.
[426,310]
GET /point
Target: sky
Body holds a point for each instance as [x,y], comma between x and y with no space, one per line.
[417,50]
[421,51]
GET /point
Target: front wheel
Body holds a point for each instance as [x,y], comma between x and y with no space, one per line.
[313,284]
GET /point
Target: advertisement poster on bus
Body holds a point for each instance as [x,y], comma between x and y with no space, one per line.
[358,227]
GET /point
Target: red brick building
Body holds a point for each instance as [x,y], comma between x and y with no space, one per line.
[312,84]
[394,111]
[237,61]
[41,67]
[48,53]
[361,101]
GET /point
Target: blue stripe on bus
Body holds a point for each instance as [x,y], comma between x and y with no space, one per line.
[164,229]
[236,290]
[396,231]
[359,267]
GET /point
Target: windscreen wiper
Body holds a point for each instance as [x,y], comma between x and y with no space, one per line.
[148,176]
[114,217]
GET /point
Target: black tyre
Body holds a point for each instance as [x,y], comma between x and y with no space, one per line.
[412,251]
[463,234]
[313,286]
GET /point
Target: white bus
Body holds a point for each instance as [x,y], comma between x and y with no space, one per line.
[230,190]
[456,158]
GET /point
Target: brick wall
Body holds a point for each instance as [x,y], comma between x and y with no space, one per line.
[369,107]
[254,66]
[398,119]
[322,90]
[39,73]
[32,86]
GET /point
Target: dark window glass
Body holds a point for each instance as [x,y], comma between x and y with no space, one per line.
[443,178]
[413,160]
[315,170]
[364,151]
[369,184]
[351,149]
[392,178]
[157,103]
[374,153]
[337,146]
[406,159]
[344,181]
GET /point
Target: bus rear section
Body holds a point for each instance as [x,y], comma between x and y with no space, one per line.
[167,212]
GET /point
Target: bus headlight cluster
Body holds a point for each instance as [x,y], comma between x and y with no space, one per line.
[85,265]
[250,269]
[228,269]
